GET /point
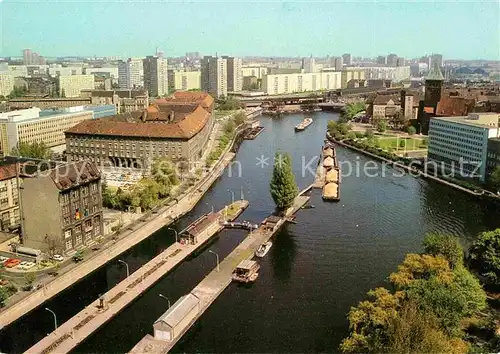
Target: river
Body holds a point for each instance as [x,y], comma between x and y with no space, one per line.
[316,270]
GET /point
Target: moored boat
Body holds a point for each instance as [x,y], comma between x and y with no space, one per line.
[263,249]
[246,272]
[304,124]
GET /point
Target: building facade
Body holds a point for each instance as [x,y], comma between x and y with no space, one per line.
[155,75]
[177,128]
[34,125]
[395,74]
[124,100]
[347,58]
[56,71]
[234,74]
[71,86]
[62,208]
[48,103]
[131,74]
[257,71]
[184,80]
[6,84]
[112,71]
[9,197]
[460,144]
[290,83]
[214,76]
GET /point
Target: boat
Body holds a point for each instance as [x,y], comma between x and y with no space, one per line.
[263,249]
[304,124]
[246,272]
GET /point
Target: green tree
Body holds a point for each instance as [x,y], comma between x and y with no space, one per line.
[164,173]
[37,150]
[29,279]
[228,104]
[369,134]
[343,128]
[494,178]
[381,126]
[4,295]
[448,246]
[283,188]
[351,135]
[411,130]
[229,127]
[485,255]
[17,92]
[239,118]
[351,109]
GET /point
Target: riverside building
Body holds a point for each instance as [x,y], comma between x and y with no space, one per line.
[460,144]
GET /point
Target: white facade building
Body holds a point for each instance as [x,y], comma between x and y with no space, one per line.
[34,125]
[184,80]
[131,74]
[65,71]
[460,144]
[290,83]
[18,70]
[395,74]
[72,85]
[257,71]
[6,84]
[309,65]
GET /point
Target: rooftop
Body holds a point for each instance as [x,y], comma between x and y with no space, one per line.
[73,174]
[178,311]
[482,120]
[435,73]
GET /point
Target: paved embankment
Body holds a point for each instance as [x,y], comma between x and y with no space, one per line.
[128,239]
[214,284]
[79,327]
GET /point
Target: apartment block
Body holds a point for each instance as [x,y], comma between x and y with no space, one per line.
[65,71]
[62,207]
[347,59]
[155,75]
[396,74]
[184,80]
[234,74]
[131,74]
[72,85]
[290,83]
[214,76]
[257,71]
[6,84]
[34,125]
[461,143]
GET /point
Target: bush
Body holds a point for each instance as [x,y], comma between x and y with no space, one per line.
[411,130]
[402,143]
[381,126]
[485,255]
[369,133]
[359,135]
[351,135]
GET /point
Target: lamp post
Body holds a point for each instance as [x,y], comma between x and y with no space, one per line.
[232,195]
[126,265]
[216,255]
[166,298]
[174,230]
[55,317]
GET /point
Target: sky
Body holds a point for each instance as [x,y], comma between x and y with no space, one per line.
[135,28]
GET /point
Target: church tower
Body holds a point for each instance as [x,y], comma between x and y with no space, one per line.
[433,86]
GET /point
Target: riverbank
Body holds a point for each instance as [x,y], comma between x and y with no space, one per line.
[75,330]
[413,170]
[135,233]
[219,279]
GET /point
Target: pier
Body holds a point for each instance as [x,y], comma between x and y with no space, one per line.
[76,329]
[178,319]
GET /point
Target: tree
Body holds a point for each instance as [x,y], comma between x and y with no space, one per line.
[381,126]
[369,134]
[36,150]
[494,178]
[29,279]
[228,104]
[485,255]
[351,135]
[351,109]
[229,127]
[4,295]
[343,128]
[165,174]
[54,244]
[283,188]
[17,92]
[239,118]
[448,246]
[411,130]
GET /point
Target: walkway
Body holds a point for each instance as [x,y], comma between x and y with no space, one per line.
[79,327]
[214,284]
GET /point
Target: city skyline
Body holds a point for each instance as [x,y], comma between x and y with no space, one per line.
[409,29]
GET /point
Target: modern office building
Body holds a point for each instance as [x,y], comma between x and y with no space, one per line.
[460,144]
[184,80]
[155,75]
[62,208]
[177,127]
[6,84]
[234,74]
[214,76]
[289,83]
[131,74]
[72,85]
[34,125]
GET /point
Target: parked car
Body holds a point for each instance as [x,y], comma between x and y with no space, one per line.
[12,262]
[29,265]
[58,258]
[3,259]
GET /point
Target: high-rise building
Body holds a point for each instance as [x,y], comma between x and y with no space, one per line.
[32,58]
[382,60]
[131,74]
[27,55]
[309,65]
[6,84]
[400,61]
[234,74]
[155,75]
[438,59]
[392,59]
[337,63]
[214,76]
[347,58]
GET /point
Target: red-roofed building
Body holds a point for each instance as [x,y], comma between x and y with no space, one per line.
[177,127]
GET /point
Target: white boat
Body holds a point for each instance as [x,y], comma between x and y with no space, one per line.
[263,249]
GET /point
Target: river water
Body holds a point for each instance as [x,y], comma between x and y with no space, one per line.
[316,270]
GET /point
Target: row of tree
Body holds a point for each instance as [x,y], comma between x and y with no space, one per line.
[431,302]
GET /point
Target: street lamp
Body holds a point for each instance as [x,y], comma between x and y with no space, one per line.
[126,265]
[174,230]
[216,255]
[55,317]
[232,195]
[166,298]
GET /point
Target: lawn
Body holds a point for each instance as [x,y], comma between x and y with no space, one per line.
[395,143]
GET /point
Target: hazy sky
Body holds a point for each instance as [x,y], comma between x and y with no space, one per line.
[457,29]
